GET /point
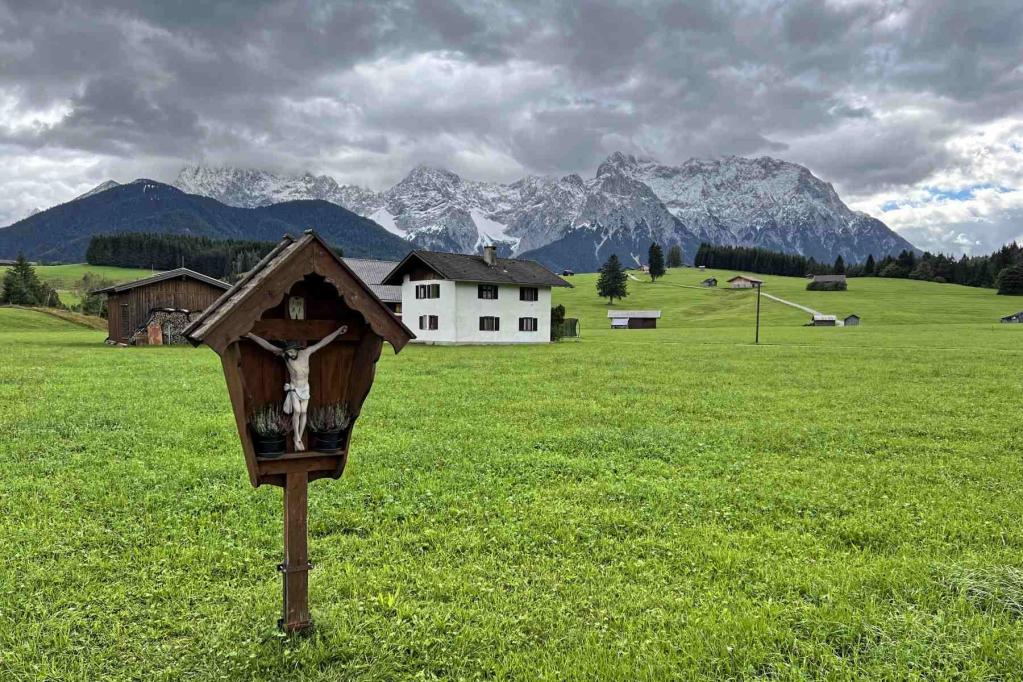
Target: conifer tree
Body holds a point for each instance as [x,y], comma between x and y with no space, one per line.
[612,282]
[839,265]
[1010,281]
[870,269]
[655,260]
[675,256]
[22,286]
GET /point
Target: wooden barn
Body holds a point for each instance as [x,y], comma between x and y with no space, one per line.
[131,306]
[819,320]
[634,319]
[744,282]
[851,321]
[709,282]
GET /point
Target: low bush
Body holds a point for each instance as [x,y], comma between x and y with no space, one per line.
[827,286]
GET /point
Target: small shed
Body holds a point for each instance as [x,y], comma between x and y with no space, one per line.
[824,279]
[130,306]
[634,319]
[851,321]
[1016,318]
[567,273]
[744,282]
[819,320]
[709,282]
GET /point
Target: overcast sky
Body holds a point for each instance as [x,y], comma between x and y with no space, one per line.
[913,109]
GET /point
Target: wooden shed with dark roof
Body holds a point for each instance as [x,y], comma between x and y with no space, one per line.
[131,305]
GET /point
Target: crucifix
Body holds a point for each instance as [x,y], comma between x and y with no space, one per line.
[296,391]
[300,292]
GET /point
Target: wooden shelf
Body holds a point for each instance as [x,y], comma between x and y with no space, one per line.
[305,454]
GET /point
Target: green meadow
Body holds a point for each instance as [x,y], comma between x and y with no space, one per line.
[678,503]
[63,278]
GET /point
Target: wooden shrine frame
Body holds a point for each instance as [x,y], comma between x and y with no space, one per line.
[330,295]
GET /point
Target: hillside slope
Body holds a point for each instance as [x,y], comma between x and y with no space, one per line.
[62,233]
[879,301]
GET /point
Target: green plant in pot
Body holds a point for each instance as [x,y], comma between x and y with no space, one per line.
[269,427]
[327,426]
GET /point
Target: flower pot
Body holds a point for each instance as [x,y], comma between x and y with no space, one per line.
[269,447]
[326,441]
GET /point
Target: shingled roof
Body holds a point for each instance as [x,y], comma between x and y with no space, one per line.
[162,276]
[461,267]
[379,317]
[373,272]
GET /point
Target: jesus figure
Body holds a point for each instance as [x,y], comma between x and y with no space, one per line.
[296,401]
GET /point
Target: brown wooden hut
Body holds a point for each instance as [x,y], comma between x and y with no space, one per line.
[131,305]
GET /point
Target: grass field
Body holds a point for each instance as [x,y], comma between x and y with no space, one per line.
[63,277]
[676,503]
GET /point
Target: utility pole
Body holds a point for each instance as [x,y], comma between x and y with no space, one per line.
[757,340]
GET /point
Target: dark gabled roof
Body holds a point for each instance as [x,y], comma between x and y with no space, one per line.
[373,272]
[461,267]
[1009,317]
[386,324]
[829,278]
[160,277]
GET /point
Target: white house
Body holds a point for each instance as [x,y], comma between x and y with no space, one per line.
[460,298]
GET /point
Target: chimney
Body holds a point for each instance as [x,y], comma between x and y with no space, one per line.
[490,255]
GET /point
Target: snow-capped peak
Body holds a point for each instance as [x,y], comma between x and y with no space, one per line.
[101,187]
[629,202]
[250,188]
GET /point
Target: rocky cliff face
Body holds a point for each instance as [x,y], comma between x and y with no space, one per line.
[575,223]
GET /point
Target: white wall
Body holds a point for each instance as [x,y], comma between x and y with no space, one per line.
[459,309]
[443,308]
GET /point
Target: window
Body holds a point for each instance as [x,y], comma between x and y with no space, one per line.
[428,322]
[529,294]
[527,324]
[488,291]
[489,323]
[427,291]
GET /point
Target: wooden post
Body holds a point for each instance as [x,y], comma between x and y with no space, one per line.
[757,340]
[295,569]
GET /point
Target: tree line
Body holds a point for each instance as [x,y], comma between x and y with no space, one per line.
[763,261]
[224,259]
[1002,269]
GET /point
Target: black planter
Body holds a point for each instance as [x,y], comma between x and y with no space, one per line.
[269,447]
[326,441]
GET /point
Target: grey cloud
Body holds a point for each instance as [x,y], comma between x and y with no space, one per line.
[340,87]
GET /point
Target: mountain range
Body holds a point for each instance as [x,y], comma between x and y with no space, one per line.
[564,222]
[571,222]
